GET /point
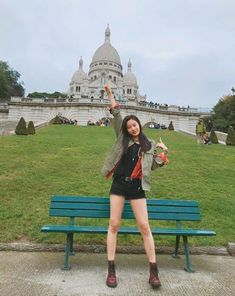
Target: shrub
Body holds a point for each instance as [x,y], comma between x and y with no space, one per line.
[56,120]
[230,140]
[31,128]
[171,127]
[21,128]
[213,137]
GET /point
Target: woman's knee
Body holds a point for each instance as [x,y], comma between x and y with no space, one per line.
[114,224]
[145,228]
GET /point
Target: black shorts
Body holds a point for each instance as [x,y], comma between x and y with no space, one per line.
[130,189]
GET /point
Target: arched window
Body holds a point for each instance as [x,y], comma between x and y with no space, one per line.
[114,79]
[79,89]
[76,88]
[110,76]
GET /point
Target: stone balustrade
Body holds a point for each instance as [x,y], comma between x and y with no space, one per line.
[149,105]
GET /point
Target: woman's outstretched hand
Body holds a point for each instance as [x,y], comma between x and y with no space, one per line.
[162,146]
[107,89]
[163,154]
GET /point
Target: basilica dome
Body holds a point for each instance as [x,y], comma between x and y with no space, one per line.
[129,78]
[106,52]
[79,75]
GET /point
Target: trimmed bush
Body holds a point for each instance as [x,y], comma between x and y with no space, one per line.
[171,126]
[213,137]
[56,120]
[21,128]
[230,140]
[31,128]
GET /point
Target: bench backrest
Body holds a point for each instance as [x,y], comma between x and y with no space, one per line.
[98,207]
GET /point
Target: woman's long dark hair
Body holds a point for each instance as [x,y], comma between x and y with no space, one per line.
[145,144]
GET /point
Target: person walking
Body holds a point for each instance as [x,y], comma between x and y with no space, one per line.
[209,128]
[200,131]
[130,162]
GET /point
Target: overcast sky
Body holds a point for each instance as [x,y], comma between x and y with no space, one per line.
[182,51]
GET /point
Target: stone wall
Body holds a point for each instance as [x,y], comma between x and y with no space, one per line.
[82,112]
[221,137]
[3,114]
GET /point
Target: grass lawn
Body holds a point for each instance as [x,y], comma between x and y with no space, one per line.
[68,160]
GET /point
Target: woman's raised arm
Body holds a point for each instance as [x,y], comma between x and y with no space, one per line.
[108,91]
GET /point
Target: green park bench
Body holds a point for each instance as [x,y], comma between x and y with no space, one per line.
[98,207]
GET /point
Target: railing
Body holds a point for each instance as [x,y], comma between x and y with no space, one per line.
[3,106]
[149,105]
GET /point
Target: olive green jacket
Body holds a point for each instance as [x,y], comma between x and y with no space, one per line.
[200,128]
[149,159]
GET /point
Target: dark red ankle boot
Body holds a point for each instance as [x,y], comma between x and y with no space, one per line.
[111,280]
[153,278]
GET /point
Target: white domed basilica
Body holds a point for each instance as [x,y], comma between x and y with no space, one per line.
[105,66]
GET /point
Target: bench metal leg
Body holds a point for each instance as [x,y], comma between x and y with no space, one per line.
[187,255]
[67,252]
[177,242]
[71,252]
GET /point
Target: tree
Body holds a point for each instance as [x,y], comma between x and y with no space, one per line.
[56,120]
[224,114]
[230,140]
[9,84]
[55,94]
[21,128]
[213,137]
[31,128]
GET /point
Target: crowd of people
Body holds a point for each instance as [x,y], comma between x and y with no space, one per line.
[59,119]
[102,122]
[157,125]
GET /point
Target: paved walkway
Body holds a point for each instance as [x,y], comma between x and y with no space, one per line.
[39,273]
[7,126]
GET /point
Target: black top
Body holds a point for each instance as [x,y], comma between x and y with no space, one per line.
[128,162]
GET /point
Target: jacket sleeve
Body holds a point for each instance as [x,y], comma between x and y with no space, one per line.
[158,160]
[117,120]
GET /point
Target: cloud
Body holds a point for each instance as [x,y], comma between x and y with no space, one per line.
[182,52]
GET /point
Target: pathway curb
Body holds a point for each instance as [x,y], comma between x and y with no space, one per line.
[32,247]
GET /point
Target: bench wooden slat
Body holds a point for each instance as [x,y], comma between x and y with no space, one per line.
[80,199]
[126,215]
[105,200]
[124,230]
[106,207]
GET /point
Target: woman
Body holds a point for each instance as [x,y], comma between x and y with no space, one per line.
[130,162]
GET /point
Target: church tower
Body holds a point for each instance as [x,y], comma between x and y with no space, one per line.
[105,67]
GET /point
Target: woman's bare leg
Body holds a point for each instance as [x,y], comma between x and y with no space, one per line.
[116,207]
[139,207]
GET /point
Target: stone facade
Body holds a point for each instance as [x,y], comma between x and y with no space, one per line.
[87,101]
[83,112]
[105,67]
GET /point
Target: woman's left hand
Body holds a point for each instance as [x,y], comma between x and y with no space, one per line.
[162,146]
